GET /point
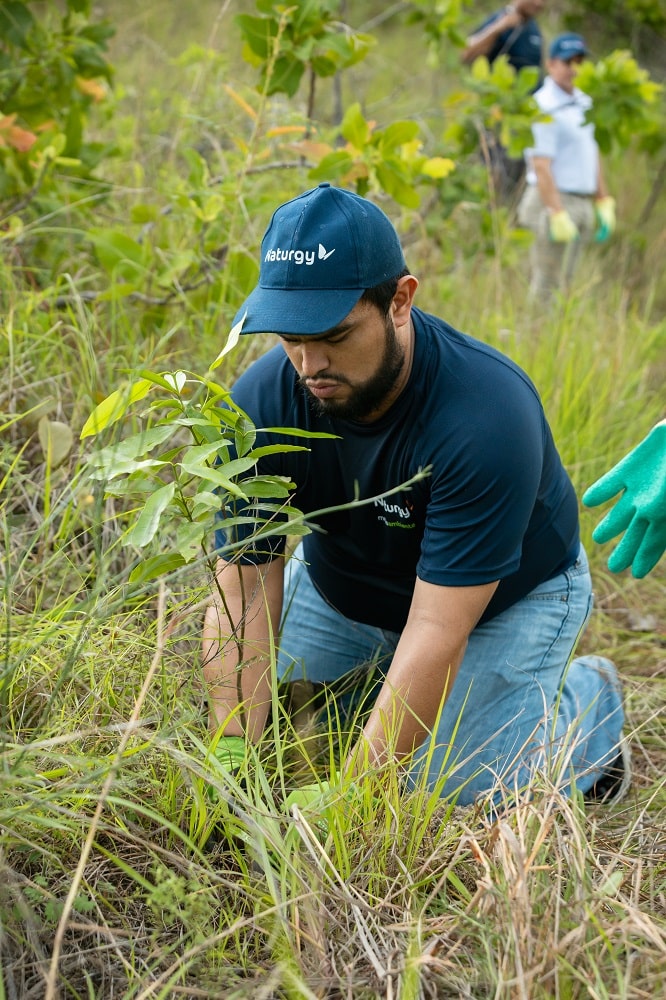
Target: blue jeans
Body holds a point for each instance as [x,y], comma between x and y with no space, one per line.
[519,704]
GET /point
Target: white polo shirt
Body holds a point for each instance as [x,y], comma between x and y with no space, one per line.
[567,141]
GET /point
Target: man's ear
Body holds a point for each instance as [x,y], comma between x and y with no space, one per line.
[403,299]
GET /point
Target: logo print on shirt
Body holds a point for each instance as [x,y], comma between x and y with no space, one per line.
[404,514]
[299,256]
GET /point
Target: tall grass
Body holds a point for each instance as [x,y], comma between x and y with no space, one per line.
[106,813]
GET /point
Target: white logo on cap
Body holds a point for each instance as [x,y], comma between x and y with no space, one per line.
[299,256]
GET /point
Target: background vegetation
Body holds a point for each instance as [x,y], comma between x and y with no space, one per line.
[142,151]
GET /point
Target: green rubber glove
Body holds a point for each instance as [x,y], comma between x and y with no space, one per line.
[315,799]
[230,752]
[641,510]
[605,212]
[562,227]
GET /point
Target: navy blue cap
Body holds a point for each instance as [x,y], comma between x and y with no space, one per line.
[318,255]
[567,46]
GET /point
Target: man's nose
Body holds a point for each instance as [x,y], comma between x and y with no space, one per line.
[313,359]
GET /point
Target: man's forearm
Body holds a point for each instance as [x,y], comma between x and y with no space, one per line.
[548,192]
[238,626]
[481,42]
[407,706]
[422,672]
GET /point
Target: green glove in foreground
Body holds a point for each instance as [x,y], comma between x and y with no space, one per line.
[641,509]
[309,797]
[230,752]
[605,211]
[562,227]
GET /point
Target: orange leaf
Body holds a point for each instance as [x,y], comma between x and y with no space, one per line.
[313,150]
[240,102]
[286,130]
[91,88]
[14,136]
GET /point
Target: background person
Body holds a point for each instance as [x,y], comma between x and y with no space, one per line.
[470,589]
[512,31]
[565,202]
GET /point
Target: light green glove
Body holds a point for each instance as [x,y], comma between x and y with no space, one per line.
[641,510]
[315,799]
[562,227]
[310,797]
[605,211]
[230,752]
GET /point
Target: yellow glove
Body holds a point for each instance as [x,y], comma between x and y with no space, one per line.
[605,212]
[563,229]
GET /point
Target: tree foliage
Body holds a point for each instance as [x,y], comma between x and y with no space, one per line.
[53,68]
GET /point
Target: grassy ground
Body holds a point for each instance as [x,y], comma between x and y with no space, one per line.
[111,886]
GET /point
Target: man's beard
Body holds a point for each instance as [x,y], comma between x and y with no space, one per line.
[367,397]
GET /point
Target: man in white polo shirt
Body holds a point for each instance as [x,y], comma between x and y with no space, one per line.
[565,202]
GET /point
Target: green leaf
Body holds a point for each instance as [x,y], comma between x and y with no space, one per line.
[286,76]
[205,501]
[270,449]
[268,487]
[354,127]
[332,167]
[294,432]
[258,33]
[189,537]
[56,439]
[398,134]
[146,527]
[395,184]
[156,566]
[118,253]
[213,475]
[134,446]
[128,467]
[114,407]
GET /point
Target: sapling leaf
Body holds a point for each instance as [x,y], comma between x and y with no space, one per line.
[189,536]
[125,468]
[205,501]
[114,407]
[149,519]
[210,474]
[295,432]
[270,449]
[269,487]
[232,340]
[134,446]
[151,569]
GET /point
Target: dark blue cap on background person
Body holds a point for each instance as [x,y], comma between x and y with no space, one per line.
[319,254]
[567,46]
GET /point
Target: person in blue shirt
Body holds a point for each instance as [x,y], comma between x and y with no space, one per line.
[512,31]
[444,548]
[566,202]
[515,33]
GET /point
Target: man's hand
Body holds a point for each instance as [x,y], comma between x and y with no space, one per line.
[641,510]
[605,211]
[562,227]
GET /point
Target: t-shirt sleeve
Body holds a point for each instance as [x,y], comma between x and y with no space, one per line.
[484,489]
[545,139]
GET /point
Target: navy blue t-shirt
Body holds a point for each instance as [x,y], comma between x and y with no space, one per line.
[522,45]
[497,503]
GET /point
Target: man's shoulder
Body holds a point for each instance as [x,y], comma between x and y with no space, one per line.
[549,95]
[460,356]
